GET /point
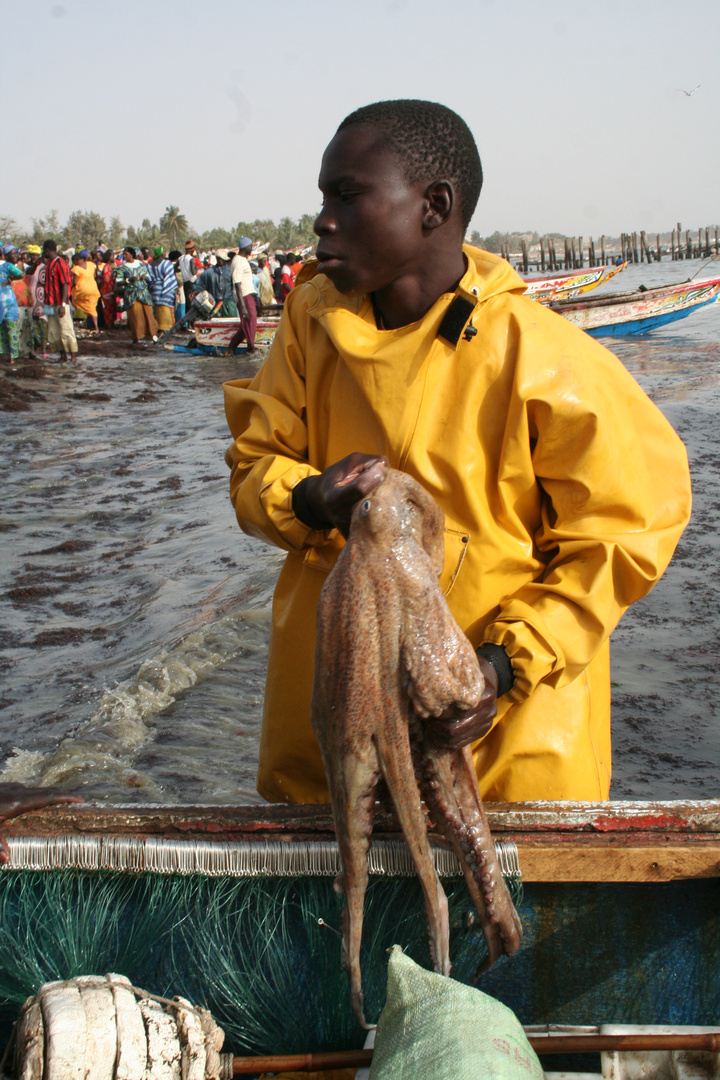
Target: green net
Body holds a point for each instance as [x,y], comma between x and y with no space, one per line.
[252,950]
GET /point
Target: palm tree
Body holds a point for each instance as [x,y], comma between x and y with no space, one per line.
[174,226]
[288,234]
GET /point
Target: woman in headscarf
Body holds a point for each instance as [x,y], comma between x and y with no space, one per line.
[85,293]
[107,288]
[36,275]
[132,276]
[23,295]
[9,338]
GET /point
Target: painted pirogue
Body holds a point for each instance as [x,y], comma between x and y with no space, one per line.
[389,654]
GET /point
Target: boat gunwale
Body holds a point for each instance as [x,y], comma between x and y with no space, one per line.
[612,299]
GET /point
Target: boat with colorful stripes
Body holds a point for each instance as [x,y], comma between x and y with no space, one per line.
[622,314]
[568,283]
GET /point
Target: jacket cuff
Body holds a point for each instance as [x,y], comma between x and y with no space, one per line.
[500,661]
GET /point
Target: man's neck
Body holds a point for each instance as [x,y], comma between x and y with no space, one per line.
[411,296]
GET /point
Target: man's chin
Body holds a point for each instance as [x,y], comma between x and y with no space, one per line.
[344,280]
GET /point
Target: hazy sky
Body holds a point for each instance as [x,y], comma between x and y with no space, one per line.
[224,107]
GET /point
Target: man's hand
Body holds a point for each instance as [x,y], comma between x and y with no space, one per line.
[16,799]
[457,728]
[331,496]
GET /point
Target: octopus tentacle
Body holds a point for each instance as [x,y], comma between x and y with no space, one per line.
[449,789]
[353,800]
[397,765]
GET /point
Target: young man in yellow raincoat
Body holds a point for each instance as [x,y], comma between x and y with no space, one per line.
[564,488]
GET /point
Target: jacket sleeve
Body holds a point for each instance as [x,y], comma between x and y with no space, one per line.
[267,418]
[616,497]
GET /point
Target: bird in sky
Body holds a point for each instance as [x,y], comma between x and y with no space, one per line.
[688,93]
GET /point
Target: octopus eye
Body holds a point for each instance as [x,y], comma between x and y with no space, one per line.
[366,507]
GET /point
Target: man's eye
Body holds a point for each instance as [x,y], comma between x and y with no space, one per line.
[348,196]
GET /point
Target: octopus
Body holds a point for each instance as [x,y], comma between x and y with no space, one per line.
[389,654]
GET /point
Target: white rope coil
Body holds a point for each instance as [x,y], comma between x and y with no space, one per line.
[103,1028]
[213,858]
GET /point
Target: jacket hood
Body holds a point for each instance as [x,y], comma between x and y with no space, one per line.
[487,273]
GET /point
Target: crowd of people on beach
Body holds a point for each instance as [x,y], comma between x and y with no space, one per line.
[45,293]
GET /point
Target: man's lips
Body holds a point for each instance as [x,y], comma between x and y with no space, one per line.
[327,260]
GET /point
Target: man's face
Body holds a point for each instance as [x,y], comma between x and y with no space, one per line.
[371,223]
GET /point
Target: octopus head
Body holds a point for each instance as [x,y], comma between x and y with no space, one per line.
[400,509]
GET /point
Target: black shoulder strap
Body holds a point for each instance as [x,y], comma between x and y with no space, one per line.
[455,319]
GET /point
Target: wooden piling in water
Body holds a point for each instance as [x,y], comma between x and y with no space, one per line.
[602,248]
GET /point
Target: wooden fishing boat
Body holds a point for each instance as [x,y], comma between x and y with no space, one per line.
[620,907]
[214,335]
[621,314]
[568,283]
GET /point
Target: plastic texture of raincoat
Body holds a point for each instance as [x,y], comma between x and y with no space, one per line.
[564,490]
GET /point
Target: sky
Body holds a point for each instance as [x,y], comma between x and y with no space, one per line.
[223,108]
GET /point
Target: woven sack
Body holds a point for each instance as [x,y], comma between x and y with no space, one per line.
[433,1028]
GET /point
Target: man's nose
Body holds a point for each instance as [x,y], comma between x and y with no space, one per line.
[324,223]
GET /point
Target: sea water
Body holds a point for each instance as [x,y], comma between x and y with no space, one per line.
[134,613]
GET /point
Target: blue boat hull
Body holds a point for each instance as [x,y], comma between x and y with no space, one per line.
[641,326]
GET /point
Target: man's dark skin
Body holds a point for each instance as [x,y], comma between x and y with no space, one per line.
[399,241]
[16,799]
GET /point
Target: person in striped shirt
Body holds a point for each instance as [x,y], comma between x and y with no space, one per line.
[58,281]
[163,288]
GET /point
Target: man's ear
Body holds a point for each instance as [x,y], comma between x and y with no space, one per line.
[440,199]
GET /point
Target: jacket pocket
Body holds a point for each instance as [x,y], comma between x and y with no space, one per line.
[456,545]
[322,557]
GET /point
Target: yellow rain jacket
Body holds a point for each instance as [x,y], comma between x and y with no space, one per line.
[564,489]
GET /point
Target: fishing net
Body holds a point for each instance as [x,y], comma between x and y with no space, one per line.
[261,953]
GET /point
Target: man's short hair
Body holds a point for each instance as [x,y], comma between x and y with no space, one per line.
[49,245]
[433,142]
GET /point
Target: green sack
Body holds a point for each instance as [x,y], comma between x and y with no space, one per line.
[433,1028]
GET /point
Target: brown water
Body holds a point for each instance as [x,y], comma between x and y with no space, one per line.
[134,613]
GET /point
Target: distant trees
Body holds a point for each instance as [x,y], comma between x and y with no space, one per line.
[9,230]
[47,228]
[174,226]
[84,229]
[87,228]
[499,240]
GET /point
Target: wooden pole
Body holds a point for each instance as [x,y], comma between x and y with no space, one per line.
[688,245]
[673,256]
[717,249]
[524,246]
[553,1043]
[679,254]
[658,257]
[707,243]
[542,254]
